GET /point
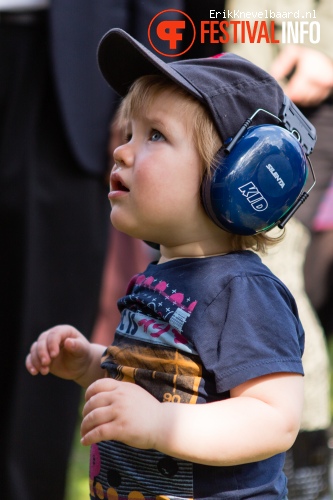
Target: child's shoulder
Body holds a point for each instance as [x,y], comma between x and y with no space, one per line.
[242,263]
[217,268]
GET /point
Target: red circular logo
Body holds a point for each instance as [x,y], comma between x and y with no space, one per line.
[166,32]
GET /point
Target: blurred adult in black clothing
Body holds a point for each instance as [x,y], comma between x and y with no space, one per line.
[55,111]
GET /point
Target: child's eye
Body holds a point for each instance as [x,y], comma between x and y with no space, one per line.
[155,135]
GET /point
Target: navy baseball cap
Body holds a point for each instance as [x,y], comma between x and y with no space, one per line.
[231,87]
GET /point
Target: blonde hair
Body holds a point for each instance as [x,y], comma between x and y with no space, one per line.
[204,134]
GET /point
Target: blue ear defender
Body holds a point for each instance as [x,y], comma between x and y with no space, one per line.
[258,177]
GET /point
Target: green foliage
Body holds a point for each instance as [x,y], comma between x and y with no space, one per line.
[78,472]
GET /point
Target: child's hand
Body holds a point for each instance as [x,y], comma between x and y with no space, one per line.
[62,351]
[120,411]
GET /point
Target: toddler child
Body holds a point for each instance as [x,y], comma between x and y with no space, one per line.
[200,393]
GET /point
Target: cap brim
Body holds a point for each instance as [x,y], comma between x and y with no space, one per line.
[122,60]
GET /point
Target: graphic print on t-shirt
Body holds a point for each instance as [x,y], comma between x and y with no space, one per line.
[154,295]
[149,350]
[167,374]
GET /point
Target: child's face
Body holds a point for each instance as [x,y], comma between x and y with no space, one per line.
[155,182]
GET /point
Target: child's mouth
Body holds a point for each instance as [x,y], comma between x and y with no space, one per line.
[119,186]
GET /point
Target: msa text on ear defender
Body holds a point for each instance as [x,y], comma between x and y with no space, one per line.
[259,175]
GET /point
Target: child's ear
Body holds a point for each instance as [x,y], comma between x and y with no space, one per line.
[257,183]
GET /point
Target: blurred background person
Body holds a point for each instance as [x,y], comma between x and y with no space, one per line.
[305,70]
[55,111]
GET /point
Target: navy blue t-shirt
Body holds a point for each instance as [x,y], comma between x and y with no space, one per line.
[191,330]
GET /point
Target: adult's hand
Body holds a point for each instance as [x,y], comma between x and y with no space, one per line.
[312,79]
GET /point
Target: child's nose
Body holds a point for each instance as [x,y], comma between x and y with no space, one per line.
[123,155]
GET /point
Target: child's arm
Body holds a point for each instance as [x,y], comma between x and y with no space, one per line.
[66,353]
[261,419]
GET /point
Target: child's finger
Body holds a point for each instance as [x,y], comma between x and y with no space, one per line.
[34,363]
[101,385]
[50,342]
[30,366]
[42,352]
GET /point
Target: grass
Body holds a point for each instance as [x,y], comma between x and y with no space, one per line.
[78,472]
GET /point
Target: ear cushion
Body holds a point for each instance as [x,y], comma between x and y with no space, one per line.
[253,186]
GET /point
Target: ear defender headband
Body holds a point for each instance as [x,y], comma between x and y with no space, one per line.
[259,175]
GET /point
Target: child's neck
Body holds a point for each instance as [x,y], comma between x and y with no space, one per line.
[194,250]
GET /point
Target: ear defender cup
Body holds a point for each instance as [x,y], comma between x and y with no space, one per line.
[254,185]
